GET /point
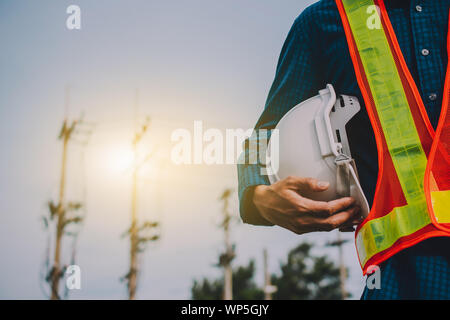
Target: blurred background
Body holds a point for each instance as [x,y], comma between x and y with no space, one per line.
[136,71]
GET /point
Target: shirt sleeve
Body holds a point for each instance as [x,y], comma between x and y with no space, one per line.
[297,78]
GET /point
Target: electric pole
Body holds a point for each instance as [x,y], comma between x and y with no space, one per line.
[342,268]
[61,212]
[132,280]
[269,289]
[229,254]
[140,233]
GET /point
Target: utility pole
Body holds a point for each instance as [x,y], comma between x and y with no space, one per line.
[63,214]
[140,234]
[134,234]
[132,280]
[229,254]
[59,212]
[269,289]
[342,268]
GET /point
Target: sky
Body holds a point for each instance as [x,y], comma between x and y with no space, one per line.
[174,61]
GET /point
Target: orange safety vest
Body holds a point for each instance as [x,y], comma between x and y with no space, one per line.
[412,197]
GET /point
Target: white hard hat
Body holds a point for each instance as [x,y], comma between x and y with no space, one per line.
[312,142]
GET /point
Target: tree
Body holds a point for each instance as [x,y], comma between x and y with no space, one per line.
[305,277]
[244,286]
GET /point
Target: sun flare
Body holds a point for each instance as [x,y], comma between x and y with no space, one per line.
[121,159]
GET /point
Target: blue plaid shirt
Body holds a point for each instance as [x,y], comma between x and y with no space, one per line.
[316,53]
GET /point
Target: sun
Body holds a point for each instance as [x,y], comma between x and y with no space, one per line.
[121,159]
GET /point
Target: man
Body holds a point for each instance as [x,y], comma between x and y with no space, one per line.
[315,53]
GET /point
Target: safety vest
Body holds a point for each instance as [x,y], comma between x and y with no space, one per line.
[412,197]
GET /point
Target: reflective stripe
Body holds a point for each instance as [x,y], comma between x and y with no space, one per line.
[390,100]
[399,130]
[372,238]
[402,221]
[441,205]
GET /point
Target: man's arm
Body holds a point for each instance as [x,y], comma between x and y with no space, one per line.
[298,77]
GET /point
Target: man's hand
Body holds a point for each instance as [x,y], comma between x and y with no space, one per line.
[282,204]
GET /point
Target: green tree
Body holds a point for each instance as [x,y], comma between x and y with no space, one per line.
[207,289]
[244,286]
[305,277]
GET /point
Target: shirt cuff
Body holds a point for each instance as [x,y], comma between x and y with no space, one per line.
[250,177]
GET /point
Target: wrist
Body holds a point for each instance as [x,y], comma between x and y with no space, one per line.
[258,192]
[249,212]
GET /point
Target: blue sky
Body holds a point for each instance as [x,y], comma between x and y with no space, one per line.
[190,60]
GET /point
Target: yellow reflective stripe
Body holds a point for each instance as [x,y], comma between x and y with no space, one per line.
[390,100]
[400,132]
[373,237]
[441,205]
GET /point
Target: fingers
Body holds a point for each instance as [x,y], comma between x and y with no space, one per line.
[322,208]
[318,207]
[309,223]
[340,219]
[350,226]
[286,207]
[341,204]
[307,184]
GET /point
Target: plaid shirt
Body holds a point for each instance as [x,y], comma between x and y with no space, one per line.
[316,53]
